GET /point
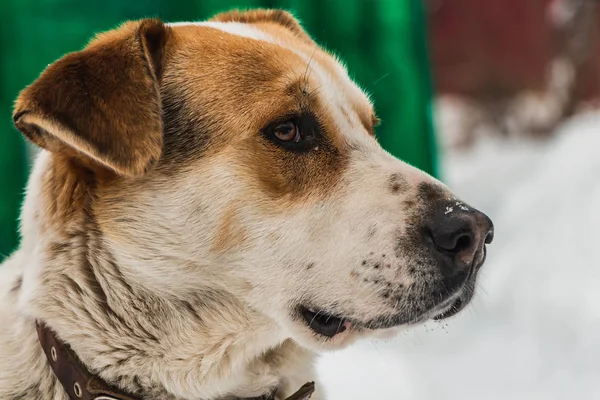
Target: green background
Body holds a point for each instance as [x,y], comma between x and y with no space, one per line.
[382,41]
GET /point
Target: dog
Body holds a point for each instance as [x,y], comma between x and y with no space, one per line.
[210,208]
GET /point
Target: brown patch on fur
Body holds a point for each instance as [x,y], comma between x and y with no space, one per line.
[292,177]
[229,234]
[207,111]
[101,105]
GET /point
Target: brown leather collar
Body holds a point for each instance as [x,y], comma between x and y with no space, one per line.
[80,384]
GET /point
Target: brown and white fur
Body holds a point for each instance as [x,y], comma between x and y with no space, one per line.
[169,240]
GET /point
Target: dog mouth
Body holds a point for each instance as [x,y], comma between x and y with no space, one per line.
[322,322]
[330,324]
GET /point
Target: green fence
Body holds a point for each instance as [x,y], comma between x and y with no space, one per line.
[382,41]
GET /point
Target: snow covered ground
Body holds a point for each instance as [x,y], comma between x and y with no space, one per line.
[533,330]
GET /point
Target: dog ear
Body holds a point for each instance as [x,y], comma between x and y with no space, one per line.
[278,17]
[102,105]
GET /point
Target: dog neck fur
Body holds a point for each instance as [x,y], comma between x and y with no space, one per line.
[210,346]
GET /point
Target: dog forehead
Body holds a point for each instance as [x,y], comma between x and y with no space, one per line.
[232,47]
[267,52]
[242,43]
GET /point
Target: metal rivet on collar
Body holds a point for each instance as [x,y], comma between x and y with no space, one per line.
[77,389]
[53,354]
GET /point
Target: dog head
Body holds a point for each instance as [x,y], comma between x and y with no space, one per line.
[237,155]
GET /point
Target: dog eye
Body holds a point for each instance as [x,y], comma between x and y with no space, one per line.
[288,131]
[298,133]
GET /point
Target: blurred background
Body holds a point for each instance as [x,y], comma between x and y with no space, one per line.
[499,99]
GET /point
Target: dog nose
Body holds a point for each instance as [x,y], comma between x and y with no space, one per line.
[459,232]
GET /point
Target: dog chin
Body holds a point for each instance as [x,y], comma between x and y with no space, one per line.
[300,332]
[306,336]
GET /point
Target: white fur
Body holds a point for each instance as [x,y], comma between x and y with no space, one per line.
[234,28]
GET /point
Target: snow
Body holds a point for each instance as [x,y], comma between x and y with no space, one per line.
[533,330]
